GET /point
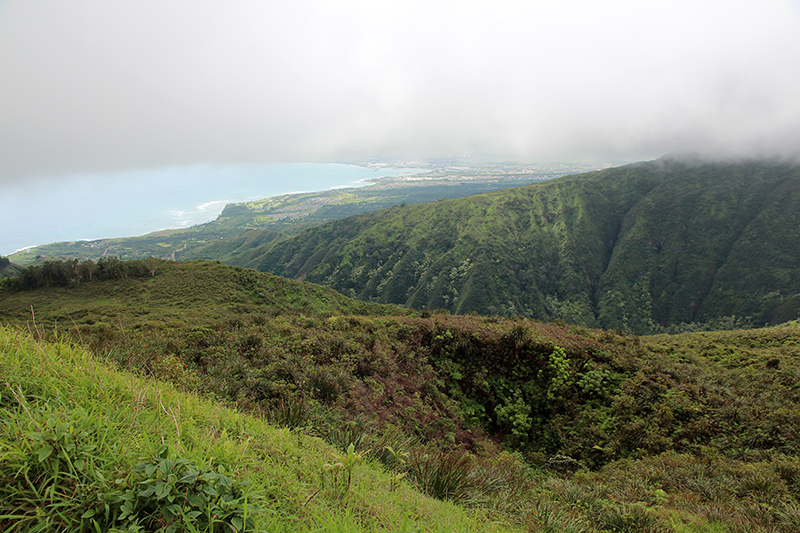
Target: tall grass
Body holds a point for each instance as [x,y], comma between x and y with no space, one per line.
[443,475]
[85,448]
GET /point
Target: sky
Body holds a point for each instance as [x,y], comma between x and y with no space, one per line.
[92,86]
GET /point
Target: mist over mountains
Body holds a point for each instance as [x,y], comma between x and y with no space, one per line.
[487,351]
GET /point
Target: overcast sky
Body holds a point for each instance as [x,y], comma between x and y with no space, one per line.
[111,85]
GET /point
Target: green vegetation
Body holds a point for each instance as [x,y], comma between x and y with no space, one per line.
[662,246]
[544,427]
[157,292]
[244,230]
[8,269]
[86,448]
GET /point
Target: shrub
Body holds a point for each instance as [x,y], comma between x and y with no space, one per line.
[442,475]
[167,493]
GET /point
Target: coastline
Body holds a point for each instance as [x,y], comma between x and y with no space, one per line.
[290,212]
[80,214]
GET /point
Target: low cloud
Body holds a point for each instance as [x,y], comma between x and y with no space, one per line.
[90,86]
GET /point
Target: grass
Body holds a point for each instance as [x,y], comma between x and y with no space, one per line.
[544,427]
[87,448]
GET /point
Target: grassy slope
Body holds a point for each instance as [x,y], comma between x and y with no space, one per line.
[696,432]
[190,293]
[637,247]
[8,269]
[73,430]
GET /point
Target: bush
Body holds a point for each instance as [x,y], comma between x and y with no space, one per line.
[167,493]
[442,475]
[60,478]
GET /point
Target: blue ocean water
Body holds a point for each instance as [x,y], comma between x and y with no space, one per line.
[136,202]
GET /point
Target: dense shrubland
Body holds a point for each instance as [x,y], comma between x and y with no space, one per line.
[464,381]
[548,426]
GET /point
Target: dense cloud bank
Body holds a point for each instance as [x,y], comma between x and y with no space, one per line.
[111,85]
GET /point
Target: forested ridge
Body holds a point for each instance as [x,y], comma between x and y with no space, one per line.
[642,248]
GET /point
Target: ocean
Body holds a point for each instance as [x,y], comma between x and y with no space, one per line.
[125,204]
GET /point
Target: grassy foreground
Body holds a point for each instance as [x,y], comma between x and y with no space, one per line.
[87,448]
[602,432]
[84,447]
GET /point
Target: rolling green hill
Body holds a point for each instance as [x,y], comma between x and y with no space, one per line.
[641,248]
[85,448]
[8,269]
[513,422]
[155,290]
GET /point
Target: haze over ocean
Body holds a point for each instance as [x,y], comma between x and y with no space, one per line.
[125,204]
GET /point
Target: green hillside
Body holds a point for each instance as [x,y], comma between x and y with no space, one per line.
[84,448]
[155,290]
[8,269]
[260,223]
[544,427]
[640,248]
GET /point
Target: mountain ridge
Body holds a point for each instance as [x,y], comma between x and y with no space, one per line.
[637,247]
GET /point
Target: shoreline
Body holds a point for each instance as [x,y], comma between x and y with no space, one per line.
[201,207]
[281,209]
